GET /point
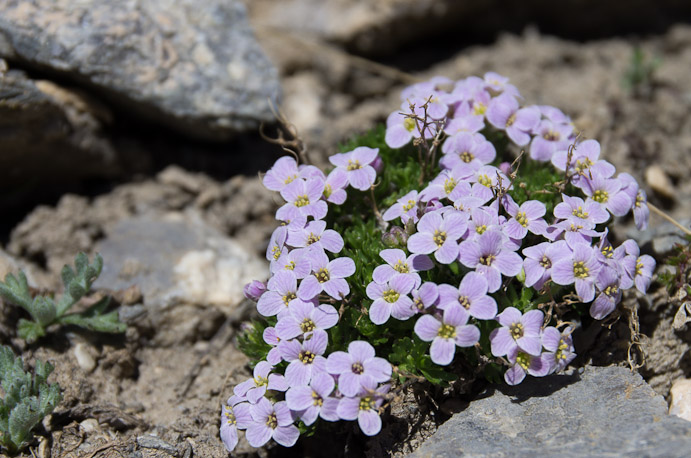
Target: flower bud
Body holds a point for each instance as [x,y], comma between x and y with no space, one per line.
[505,168]
[521,276]
[396,237]
[377,164]
[254,289]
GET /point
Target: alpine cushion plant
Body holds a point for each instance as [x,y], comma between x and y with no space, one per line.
[469,232]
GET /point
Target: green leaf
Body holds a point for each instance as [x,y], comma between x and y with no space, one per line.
[16,290]
[251,342]
[108,322]
[81,262]
[22,420]
[30,330]
[27,399]
[76,290]
[67,275]
[43,310]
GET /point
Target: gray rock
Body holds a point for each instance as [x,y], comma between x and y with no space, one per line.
[49,134]
[186,271]
[663,237]
[192,65]
[605,411]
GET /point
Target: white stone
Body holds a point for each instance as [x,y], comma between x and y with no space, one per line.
[680,399]
[84,357]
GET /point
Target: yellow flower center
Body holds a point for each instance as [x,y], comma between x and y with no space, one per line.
[479,108]
[601,196]
[313,238]
[306,357]
[409,206]
[583,166]
[639,200]
[261,381]
[323,275]
[230,418]
[467,157]
[401,267]
[439,237]
[289,297]
[551,135]
[608,252]
[545,262]
[463,300]
[639,266]
[418,304]
[327,190]
[561,349]
[449,184]
[487,260]
[391,296]
[575,227]
[316,399]
[302,200]
[579,212]
[522,219]
[289,179]
[580,270]
[611,290]
[307,325]
[409,124]
[481,229]
[276,252]
[446,331]
[516,330]
[367,403]
[353,165]
[511,120]
[357,368]
[484,180]
[523,360]
[290,265]
[272,421]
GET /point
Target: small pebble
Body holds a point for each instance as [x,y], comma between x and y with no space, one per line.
[659,182]
[84,358]
[89,425]
[680,395]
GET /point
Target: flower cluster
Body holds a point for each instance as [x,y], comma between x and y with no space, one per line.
[307,275]
[465,245]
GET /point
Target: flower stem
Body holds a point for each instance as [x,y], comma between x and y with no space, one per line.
[664,215]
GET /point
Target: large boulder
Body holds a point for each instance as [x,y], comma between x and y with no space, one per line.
[49,134]
[605,411]
[194,66]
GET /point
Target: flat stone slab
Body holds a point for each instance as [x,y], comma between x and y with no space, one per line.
[193,65]
[187,272]
[603,411]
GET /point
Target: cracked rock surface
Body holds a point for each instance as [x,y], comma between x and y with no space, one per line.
[193,66]
[605,411]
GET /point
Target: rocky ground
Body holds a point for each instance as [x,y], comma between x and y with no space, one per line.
[162,183]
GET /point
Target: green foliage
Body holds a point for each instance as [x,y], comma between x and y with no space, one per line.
[27,399]
[537,181]
[638,78]
[411,355]
[251,342]
[680,260]
[45,311]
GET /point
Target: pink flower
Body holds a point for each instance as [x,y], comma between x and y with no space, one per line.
[357,166]
[448,333]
